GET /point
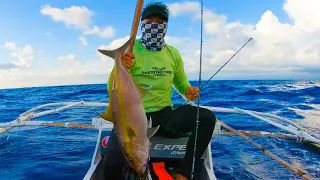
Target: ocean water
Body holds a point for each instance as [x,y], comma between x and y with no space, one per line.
[62,153]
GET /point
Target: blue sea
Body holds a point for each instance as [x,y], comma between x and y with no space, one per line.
[63,153]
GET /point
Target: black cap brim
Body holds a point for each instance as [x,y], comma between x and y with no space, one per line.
[154,11]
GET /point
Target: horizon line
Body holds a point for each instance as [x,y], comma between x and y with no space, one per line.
[203,80]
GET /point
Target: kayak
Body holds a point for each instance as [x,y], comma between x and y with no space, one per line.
[165,152]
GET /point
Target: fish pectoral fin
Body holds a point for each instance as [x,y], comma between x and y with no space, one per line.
[107,115]
[143,91]
[152,131]
[131,133]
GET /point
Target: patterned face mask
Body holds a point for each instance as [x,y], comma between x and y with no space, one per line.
[153,35]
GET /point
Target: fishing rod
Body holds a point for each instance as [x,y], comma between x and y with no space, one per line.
[200,87]
[197,122]
[228,61]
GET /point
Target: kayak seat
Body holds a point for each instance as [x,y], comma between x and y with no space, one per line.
[168,152]
[160,147]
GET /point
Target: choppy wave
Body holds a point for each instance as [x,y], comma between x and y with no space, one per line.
[58,153]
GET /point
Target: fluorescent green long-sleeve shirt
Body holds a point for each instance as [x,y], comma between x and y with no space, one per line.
[161,69]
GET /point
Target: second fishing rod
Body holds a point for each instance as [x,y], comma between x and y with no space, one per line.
[223,66]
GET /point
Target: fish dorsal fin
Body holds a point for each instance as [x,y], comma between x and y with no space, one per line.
[150,123]
[152,131]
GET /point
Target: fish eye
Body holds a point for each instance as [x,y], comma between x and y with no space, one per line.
[130,160]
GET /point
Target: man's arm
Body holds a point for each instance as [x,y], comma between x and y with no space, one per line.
[180,79]
[127,60]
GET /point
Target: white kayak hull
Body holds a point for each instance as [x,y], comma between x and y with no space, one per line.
[167,150]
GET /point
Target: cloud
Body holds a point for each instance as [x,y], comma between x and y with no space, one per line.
[10,45]
[70,58]
[79,17]
[21,56]
[106,32]
[305,18]
[83,41]
[278,50]
[7,66]
[86,72]
[312,70]
[212,21]
[185,8]
[281,47]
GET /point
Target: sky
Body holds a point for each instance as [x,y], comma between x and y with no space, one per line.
[48,43]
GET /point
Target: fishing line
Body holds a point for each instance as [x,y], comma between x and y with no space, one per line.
[224,64]
[199,84]
[227,61]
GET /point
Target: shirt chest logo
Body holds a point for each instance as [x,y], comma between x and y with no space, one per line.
[157,71]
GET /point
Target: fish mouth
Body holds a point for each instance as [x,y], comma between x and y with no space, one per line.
[137,156]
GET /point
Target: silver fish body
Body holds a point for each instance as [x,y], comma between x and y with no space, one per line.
[126,111]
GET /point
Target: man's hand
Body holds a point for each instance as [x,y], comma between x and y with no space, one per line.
[127,59]
[192,93]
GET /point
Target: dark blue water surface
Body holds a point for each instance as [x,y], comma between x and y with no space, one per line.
[61,153]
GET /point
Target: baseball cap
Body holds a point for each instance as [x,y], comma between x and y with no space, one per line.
[157,9]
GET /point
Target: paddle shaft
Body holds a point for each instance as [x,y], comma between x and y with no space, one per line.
[268,135]
[273,156]
[6,129]
[3,130]
[43,123]
[135,23]
[260,134]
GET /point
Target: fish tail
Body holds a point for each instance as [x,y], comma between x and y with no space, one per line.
[113,53]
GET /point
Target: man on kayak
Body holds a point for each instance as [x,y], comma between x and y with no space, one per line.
[154,62]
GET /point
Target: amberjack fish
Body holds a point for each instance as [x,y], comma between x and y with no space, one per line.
[126,112]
